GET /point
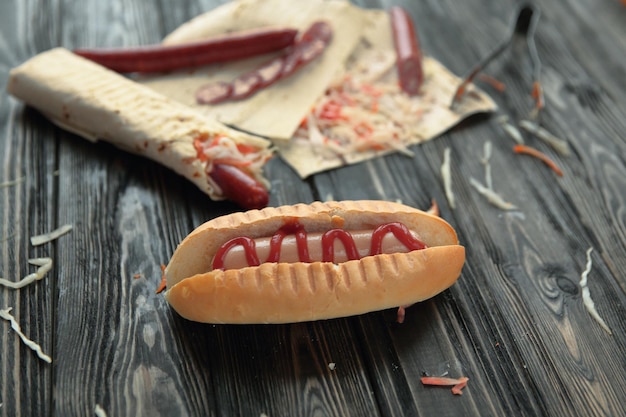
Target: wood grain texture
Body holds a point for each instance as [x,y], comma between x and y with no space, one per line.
[515,322]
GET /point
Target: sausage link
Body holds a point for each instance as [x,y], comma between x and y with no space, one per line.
[311,44]
[159,58]
[240,187]
[408,52]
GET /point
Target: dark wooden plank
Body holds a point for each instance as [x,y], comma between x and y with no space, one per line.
[28,208]
[514,323]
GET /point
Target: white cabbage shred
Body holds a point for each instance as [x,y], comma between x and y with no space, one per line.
[6,315]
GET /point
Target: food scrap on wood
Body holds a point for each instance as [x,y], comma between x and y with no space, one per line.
[588,302]
[492,197]
[44,264]
[12,183]
[557,144]
[434,208]
[510,129]
[163,283]
[487,190]
[457,383]
[527,150]
[6,315]
[48,237]
[446,175]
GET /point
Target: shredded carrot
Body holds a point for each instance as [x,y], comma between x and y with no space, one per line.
[363,129]
[460,91]
[523,149]
[434,208]
[331,110]
[371,90]
[495,83]
[537,94]
[401,314]
[457,383]
[246,149]
[163,283]
[197,144]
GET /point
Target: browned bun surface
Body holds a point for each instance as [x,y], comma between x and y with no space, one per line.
[293,292]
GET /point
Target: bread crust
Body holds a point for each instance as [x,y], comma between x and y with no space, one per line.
[294,292]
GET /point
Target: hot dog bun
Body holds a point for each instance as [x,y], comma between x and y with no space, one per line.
[294,292]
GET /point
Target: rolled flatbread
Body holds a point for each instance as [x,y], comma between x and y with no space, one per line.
[98,104]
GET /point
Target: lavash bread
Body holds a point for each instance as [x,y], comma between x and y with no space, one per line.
[295,292]
[96,103]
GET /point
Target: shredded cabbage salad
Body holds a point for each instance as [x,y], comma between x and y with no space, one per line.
[220,149]
[357,114]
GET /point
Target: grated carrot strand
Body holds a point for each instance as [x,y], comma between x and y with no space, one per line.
[527,150]
[163,283]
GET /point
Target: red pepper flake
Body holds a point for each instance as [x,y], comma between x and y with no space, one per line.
[457,383]
[523,149]
[163,283]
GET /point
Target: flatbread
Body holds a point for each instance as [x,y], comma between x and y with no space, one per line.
[98,104]
[276,111]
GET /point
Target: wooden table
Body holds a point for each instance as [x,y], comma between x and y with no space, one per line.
[514,323]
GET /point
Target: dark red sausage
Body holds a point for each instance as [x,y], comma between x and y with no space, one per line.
[408,52]
[270,71]
[214,93]
[240,187]
[319,30]
[159,58]
[311,44]
[245,85]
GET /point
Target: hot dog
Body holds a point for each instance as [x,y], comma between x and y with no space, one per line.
[311,262]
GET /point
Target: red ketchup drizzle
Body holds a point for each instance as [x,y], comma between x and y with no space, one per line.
[328,247]
[249,249]
[293,227]
[400,231]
